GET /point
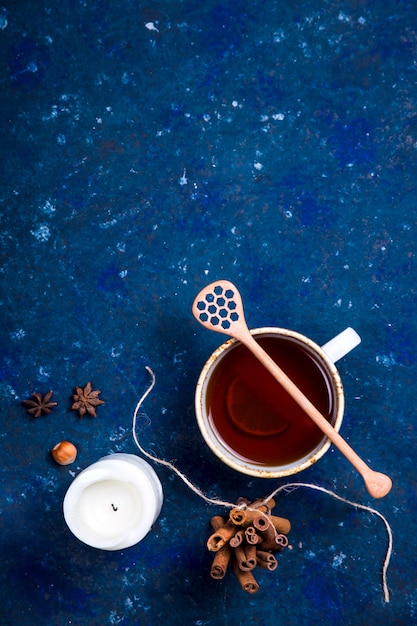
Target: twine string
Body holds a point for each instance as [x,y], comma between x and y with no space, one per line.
[288,487]
[168,464]
[291,486]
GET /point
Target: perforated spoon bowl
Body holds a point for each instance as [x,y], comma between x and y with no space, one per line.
[219,307]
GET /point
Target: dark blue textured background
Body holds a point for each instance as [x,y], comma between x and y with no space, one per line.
[149,148]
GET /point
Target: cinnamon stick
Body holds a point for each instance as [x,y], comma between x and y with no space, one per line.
[237,539]
[238,516]
[220,562]
[252,536]
[281,524]
[261,522]
[241,559]
[261,505]
[266,560]
[281,541]
[271,540]
[246,579]
[246,557]
[268,539]
[250,553]
[221,536]
[245,517]
[217,521]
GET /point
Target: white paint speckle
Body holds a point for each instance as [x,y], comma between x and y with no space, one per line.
[6,391]
[387,360]
[258,166]
[42,233]
[310,554]
[183,180]
[108,224]
[123,274]
[279,36]
[43,374]
[114,618]
[116,351]
[3,20]
[18,335]
[48,208]
[338,559]
[343,17]
[32,67]
[151,26]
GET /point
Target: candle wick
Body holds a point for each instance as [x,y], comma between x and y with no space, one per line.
[114,507]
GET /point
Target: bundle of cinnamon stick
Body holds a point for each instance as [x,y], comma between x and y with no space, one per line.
[249,538]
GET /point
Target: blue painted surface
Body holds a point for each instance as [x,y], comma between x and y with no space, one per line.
[148,149]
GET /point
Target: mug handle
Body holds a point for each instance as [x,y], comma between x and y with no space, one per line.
[342,344]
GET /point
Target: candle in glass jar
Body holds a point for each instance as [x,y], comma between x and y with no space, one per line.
[113,503]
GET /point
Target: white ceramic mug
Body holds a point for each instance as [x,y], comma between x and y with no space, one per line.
[235,448]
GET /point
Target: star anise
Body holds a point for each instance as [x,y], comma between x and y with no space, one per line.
[41,405]
[86,400]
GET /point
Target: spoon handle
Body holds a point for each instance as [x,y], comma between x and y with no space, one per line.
[377,484]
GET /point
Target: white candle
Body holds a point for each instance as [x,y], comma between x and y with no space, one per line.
[113,503]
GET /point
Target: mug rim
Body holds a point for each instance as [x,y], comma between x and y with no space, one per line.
[244,466]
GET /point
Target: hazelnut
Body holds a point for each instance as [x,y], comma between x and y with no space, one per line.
[64,453]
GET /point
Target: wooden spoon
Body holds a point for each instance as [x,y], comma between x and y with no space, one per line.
[219,307]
